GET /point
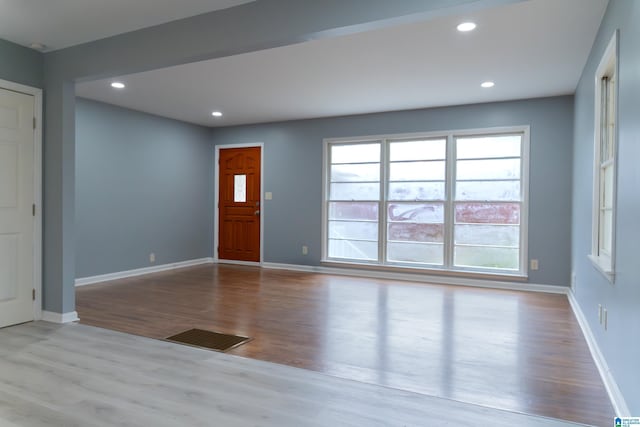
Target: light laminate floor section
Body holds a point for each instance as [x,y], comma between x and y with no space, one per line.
[77,375]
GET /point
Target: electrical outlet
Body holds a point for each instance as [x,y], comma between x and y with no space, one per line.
[152,258]
[305,250]
[534,264]
[600,313]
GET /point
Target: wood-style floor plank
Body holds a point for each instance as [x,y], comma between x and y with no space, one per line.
[77,375]
[517,351]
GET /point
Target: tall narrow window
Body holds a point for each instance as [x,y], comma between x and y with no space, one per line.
[415,201]
[607,165]
[602,253]
[488,202]
[447,201]
[354,201]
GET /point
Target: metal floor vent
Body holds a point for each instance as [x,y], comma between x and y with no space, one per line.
[208,339]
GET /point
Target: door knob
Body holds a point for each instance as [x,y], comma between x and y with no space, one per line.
[257,212]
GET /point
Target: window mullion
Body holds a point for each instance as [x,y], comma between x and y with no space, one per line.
[449,209]
[525,152]
[382,204]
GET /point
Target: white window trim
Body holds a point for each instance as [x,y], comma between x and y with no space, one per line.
[450,136]
[604,264]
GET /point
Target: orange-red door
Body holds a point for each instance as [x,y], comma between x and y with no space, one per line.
[239,204]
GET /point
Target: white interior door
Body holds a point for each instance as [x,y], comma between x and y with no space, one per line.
[16,201]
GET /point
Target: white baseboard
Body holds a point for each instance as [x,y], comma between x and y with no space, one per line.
[440,280]
[234,262]
[52,317]
[140,271]
[443,280]
[615,395]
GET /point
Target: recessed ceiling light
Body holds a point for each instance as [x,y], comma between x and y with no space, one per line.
[216,114]
[117,85]
[466,26]
[38,46]
[487,85]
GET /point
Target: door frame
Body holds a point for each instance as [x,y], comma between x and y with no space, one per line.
[216,216]
[37,188]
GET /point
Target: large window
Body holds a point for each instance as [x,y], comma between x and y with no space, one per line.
[449,201]
[604,183]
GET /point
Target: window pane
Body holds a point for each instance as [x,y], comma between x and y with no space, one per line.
[604,139]
[416,191]
[416,171]
[488,213]
[355,153]
[488,169]
[415,253]
[611,117]
[346,210]
[416,232]
[350,249]
[355,173]
[355,191]
[496,235]
[607,124]
[607,187]
[604,105]
[353,230]
[416,212]
[606,230]
[485,257]
[240,188]
[433,149]
[488,190]
[488,146]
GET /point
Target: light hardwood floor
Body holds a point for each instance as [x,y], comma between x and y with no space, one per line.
[517,351]
[81,376]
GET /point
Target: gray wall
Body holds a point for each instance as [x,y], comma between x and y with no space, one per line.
[143,184]
[20,65]
[621,342]
[246,28]
[293,172]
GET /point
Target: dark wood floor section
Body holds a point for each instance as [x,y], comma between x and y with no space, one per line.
[518,351]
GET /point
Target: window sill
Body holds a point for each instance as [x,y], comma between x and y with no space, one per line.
[464,274]
[604,267]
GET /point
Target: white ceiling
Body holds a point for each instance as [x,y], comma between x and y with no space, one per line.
[63,23]
[531,49]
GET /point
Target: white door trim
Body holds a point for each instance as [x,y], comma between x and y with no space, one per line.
[37,189]
[216,196]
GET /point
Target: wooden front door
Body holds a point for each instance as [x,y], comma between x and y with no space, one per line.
[239,204]
[16,200]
